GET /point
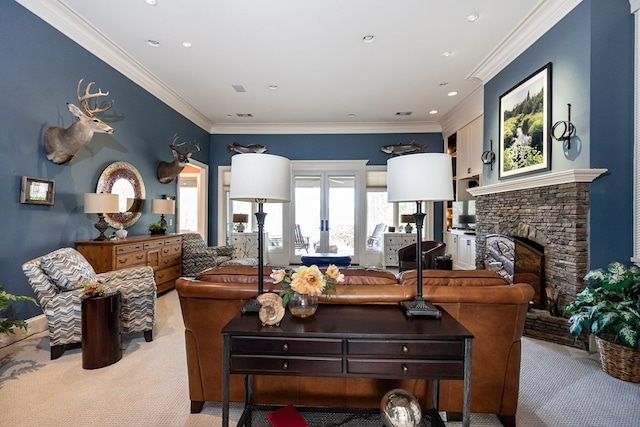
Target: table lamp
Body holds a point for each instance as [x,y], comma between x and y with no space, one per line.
[419,178]
[260,178]
[101,203]
[407,219]
[163,207]
[240,219]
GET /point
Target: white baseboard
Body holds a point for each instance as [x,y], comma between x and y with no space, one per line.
[36,324]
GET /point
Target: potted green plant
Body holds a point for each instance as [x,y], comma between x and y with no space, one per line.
[7,325]
[609,308]
[157,228]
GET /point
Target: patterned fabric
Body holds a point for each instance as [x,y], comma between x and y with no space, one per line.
[66,267]
[197,256]
[63,310]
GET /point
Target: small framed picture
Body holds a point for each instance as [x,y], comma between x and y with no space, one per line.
[37,191]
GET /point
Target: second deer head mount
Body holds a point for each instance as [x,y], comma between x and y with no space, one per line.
[61,145]
[167,172]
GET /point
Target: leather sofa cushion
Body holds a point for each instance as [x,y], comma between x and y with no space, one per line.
[367,276]
[453,278]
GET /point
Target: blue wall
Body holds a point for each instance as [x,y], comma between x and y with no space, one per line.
[591,51]
[320,147]
[39,74]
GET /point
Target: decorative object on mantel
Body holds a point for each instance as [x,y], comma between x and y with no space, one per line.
[400,149]
[37,191]
[524,125]
[567,132]
[61,145]
[300,289]
[163,207]
[407,219]
[271,309]
[240,219]
[251,148]
[260,178]
[167,172]
[399,408]
[124,180]
[102,204]
[609,310]
[420,178]
[488,157]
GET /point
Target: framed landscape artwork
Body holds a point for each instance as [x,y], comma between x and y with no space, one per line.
[37,191]
[525,112]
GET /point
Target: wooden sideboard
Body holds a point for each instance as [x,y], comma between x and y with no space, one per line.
[162,252]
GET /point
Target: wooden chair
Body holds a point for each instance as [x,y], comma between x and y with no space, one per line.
[373,241]
[430,250]
[302,242]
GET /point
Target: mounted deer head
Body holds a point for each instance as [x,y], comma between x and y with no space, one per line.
[61,145]
[167,172]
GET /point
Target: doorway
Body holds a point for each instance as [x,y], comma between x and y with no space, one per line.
[192,199]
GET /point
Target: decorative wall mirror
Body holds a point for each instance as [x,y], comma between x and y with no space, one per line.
[123,179]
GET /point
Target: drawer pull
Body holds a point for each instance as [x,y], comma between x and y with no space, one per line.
[285,347]
[140,256]
[405,349]
[405,368]
[285,365]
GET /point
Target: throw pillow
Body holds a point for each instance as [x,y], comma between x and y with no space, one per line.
[227,250]
[66,267]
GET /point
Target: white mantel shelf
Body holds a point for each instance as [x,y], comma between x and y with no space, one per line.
[535,181]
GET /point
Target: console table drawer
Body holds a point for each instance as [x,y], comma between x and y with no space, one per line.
[300,346]
[285,365]
[390,368]
[415,349]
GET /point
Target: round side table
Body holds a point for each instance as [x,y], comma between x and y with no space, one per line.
[101,331]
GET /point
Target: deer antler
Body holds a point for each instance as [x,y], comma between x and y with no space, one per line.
[175,146]
[84,100]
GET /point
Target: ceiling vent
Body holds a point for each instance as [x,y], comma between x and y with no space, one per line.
[238,88]
[244,115]
[404,113]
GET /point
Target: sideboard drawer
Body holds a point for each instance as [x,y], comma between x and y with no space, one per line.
[395,368]
[130,260]
[171,260]
[169,250]
[167,274]
[251,363]
[154,244]
[300,346]
[173,241]
[412,349]
[125,249]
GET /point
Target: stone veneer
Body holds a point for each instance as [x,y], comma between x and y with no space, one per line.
[554,216]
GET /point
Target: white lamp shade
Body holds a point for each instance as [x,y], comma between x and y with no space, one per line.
[260,177]
[163,206]
[101,203]
[419,178]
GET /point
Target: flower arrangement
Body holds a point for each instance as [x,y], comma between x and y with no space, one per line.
[93,288]
[307,280]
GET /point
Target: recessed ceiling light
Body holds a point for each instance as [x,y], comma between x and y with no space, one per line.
[153,43]
[273,87]
[454,93]
[351,115]
[433,112]
[186,44]
[446,54]
[368,38]
[151,2]
[473,17]
[229,115]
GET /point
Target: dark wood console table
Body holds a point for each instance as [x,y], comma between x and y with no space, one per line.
[374,341]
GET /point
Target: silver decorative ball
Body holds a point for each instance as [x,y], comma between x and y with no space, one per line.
[399,408]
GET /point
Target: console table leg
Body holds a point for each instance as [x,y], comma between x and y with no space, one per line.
[435,393]
[225,380]
[466,405]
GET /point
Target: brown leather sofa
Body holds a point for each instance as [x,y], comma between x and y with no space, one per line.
[482,301]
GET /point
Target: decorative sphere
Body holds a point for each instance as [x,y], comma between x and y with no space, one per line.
[399,408]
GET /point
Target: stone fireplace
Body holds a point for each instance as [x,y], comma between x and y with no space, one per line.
[552,211]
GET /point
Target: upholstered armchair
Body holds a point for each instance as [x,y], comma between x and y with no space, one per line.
[430,250]
[197,256]
[54,278]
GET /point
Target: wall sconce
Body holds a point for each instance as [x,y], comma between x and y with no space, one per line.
[240,219]
[568,129]
[489,157]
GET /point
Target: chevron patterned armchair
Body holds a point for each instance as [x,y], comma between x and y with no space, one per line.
[54,278]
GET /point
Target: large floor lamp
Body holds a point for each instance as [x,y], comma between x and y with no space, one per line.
[419,178]
[260,178]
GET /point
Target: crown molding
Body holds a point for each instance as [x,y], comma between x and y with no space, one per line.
[326,128]
[535,181]
[464,113]
[542,19]
[61,17]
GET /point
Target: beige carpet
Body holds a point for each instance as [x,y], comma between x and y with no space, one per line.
[560,386]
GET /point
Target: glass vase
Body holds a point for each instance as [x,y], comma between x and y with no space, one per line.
[303,305]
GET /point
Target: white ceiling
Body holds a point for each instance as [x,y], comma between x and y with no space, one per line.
[313,50]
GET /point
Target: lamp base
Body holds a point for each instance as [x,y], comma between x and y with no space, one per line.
[253,306]
[420,307]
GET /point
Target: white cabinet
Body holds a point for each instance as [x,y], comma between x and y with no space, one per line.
[469,149]
[246,245]
[390,245]
[462,248]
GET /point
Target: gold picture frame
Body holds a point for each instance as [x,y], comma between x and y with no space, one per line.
[37,191]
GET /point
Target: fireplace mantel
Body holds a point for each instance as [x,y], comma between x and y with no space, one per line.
[534,181]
